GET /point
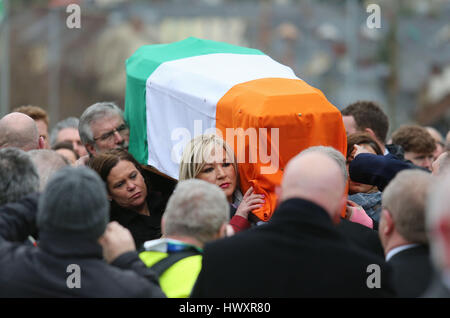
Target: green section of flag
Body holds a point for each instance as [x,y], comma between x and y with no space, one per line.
[2,10]
[143,63]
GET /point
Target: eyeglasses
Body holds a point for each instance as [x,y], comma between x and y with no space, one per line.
[122,130]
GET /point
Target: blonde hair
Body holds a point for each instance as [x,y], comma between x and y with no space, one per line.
[197,151]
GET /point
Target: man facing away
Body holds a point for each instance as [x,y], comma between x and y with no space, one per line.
[299,252]
[20,131]
[72,220]
[197,213]
[402,232]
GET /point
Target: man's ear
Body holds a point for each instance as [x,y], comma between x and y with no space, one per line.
[90,149]
[389,224]
[370,132]
[337,215]
[41,142]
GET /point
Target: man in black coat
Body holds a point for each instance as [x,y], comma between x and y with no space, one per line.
[299,252]
[74,233]
[403,234]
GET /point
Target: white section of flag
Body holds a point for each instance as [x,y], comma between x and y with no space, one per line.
[181,99]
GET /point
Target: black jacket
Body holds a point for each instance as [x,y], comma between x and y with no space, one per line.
[44,271]
[412,271]
[142,227]
[298,253]
[378,170]
[362,236]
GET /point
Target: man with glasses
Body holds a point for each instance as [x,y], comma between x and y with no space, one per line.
[102,127]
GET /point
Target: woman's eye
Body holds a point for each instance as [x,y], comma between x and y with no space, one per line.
[118,185]
[226,164]
[133,175]
[207,170]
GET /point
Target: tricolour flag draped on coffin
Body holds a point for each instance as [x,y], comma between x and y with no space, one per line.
[260,107]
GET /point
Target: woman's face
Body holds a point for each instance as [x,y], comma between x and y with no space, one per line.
[126,185]
[355,187]
[219,170]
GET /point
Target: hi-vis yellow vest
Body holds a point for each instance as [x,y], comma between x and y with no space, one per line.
[179,279]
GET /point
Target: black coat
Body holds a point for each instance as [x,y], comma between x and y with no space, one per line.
[43,271]
[142,227]
[298,253]
[378,170]
[362,236]
[412,271]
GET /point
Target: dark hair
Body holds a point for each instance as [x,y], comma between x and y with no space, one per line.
[104,162]
[362,138]
[66,145]
[414,138]
[368,114]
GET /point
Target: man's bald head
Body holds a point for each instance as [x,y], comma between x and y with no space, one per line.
[316,177]
[20,131]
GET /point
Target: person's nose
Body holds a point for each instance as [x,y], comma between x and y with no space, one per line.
[220,172]
[130,186]
[118,139]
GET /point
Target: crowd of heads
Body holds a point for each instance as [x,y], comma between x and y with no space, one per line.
[414,206]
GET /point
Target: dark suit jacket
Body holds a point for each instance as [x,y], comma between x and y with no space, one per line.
[298,253]
[362,236]
[412,271]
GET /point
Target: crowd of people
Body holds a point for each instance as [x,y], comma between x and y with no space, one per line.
[81,217]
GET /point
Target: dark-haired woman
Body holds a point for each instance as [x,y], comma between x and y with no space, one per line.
[133,204]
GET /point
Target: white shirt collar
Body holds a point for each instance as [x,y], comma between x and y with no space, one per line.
[398,249]
[386,151]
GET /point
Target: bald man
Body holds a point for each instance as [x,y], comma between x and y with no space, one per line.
[20,131]
[299,252]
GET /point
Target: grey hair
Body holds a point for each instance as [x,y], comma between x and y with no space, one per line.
[405,199]
[69,122]
[18,175]
[93,113]
[438,209]
[47,162]
[333,154]
[196,209]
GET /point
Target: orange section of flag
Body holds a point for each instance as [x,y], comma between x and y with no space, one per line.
[286,116]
